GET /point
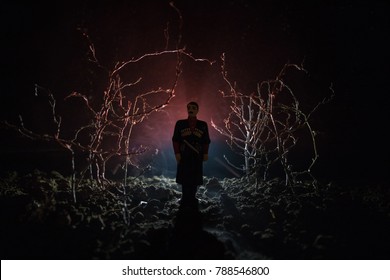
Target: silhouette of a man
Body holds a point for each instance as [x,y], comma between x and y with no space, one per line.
[191,144]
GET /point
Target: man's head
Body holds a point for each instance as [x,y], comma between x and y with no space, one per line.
[192,109]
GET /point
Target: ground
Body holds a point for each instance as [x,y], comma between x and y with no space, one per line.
[238,218]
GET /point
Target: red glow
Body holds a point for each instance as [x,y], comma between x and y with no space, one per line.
[157,130]
[199,82]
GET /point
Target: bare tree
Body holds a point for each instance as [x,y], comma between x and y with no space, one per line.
[110,123]
[264,131]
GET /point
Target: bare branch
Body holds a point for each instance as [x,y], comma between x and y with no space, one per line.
[264,132]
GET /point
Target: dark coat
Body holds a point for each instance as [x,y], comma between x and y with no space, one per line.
[190,167]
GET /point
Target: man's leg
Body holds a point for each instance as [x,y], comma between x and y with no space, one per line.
[189,195]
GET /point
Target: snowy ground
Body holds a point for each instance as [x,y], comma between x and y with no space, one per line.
[236,219]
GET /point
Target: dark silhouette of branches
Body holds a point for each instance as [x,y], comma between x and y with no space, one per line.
[108,131]
[264,131]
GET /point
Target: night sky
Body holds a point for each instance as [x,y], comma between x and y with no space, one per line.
[341,43]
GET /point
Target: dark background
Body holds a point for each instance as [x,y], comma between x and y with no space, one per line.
[341,43]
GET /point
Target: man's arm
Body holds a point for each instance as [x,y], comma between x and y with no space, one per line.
[176,143]
[206,143]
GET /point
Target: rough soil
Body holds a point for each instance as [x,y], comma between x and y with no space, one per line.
[236,219]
